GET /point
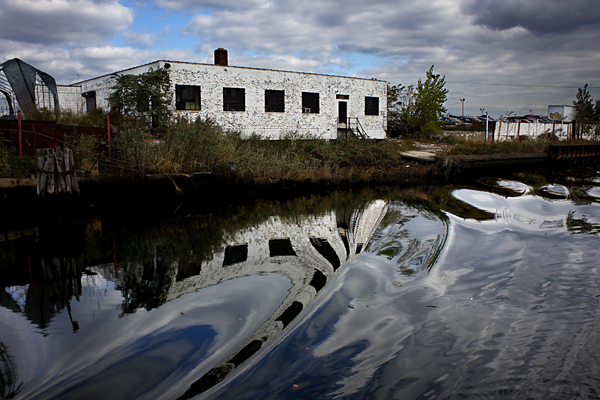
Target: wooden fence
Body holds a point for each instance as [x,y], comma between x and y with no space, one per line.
[56,171]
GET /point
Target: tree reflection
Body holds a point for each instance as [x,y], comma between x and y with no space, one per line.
[8,375]
[581,225]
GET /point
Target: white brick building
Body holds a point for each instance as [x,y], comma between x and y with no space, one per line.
[265,102]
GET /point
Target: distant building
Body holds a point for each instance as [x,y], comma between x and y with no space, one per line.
[265,102]
[560,112]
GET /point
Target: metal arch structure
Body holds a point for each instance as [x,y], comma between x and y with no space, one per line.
[18,83]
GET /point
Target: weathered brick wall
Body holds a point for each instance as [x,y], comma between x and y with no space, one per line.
[212,79]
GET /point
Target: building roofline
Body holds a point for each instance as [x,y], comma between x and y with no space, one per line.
[221,66]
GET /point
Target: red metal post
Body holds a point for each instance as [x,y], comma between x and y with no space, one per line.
[108,132]
[519,132]
[20,140]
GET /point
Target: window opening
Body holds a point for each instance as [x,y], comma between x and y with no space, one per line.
[90,100]
[234,99]
[371,105]
[235,254]
[281,247]
[310,103]
[274,101]
[187,97]
[325,249]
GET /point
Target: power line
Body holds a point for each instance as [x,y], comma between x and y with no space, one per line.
[514,85]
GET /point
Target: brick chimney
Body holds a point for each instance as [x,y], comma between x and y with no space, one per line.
[221,57]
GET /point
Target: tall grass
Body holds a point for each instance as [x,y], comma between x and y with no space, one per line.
[202,145]
[525,145]
[13,166]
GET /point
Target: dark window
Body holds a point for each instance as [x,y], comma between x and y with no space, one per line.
[325,249]
[318,280]
[187,97]
[371,105]
[246,352]
[342,97]
[281,247]
[186,270]
[274,101]
[234,99]
[310,102]
[90,100]
[290,313]
[235,254]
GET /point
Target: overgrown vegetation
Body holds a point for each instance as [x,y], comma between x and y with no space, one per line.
[141,99]
[186,147]
[96,118]
[525,145]
[13,166]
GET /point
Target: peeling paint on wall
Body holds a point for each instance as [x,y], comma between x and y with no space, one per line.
[254,119]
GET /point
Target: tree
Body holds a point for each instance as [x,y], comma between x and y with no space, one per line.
[142,98]
[429,101]
[400,101]
[584,110]
[422,106]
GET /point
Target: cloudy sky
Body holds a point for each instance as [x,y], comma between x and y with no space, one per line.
[499,55]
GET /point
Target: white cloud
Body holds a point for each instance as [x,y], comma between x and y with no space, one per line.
[475,41]
[62,21]
[141,40]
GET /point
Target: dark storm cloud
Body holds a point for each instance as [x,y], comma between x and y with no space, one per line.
[540,17]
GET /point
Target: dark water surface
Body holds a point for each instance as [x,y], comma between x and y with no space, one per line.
[486,290]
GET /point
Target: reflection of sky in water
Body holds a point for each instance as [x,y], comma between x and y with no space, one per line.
[595,192]
[438,306]
[147,351]
[532,213]
[510,309]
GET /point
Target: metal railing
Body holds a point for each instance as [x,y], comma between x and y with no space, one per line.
[357,129]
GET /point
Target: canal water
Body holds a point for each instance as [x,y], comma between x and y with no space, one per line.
[488,289]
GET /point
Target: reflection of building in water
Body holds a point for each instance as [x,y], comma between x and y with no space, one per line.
[309,252]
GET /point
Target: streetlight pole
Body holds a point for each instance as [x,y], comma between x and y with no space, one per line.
[463,107]
[487,119]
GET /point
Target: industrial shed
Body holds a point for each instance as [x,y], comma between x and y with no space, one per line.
[265,102]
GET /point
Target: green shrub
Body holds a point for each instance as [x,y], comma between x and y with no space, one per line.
[13,166]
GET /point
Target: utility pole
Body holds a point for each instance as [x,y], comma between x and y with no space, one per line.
[463,107]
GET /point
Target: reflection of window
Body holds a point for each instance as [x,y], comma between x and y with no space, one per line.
[90,100]
[246,352]
[186,270]
[325,249]
[274,101]
[234,99]
[318,280]
[235,254]
[371,105]
[290,313]
[187,97]
[281,247]
[310,102]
